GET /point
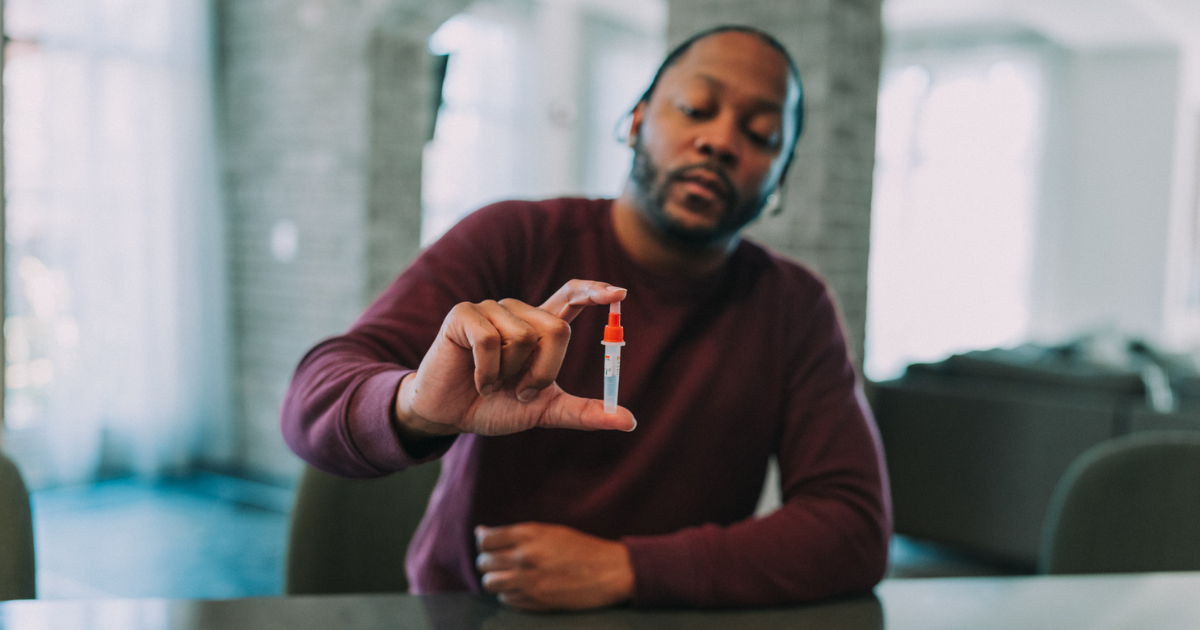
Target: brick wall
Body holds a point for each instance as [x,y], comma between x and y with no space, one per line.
[826,221]
[324,116]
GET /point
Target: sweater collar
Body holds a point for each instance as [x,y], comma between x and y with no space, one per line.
[665,286]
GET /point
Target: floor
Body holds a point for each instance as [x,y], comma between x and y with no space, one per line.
[214,537]
[207,536]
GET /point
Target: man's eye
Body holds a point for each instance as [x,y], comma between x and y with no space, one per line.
[691,112]
[768,141]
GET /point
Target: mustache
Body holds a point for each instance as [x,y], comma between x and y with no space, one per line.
[729,193]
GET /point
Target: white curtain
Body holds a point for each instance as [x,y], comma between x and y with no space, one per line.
[952,222]
[116,341]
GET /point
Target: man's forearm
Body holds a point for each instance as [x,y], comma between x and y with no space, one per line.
[337,413]
[804,551]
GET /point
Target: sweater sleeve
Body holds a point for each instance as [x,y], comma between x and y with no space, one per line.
[338,414]
[829,538]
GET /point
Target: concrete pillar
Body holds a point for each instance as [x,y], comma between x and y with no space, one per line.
[400,98]
[326,109]
[826,220]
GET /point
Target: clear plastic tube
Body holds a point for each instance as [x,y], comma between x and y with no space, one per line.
[614,338]
[612,375]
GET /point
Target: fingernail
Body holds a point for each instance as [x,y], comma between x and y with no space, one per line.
[612,288]
[487,390]
[479,531]
[630,429]
[527,394]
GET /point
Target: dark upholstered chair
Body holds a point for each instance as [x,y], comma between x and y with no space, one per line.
[1128,504]
[350,535]
[16,535]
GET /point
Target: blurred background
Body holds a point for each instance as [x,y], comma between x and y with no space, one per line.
[197,191]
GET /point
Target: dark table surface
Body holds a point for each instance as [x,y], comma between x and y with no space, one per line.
[1154,600]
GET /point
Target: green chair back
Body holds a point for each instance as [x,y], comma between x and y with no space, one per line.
[351,535]
[1129,504]
[16,535]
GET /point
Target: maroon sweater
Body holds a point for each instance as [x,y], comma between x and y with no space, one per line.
[721,373]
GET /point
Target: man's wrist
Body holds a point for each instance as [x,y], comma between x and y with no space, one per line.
[624,579]
[412,428]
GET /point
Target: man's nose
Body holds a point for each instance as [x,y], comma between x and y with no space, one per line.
[719,140]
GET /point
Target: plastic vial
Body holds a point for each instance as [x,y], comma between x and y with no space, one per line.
[614,338]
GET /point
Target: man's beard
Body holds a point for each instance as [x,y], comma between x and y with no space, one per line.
[652,192]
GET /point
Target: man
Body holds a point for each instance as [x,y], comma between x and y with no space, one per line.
[734,354]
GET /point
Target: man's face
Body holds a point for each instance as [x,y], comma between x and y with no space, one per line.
[710,145]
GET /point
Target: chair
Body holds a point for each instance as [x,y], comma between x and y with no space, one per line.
[1128,504]
[16,535]
[350,535]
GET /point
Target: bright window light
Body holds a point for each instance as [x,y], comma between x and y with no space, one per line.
[953,214]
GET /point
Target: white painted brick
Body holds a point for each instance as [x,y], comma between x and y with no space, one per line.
[837,45]
[324,119]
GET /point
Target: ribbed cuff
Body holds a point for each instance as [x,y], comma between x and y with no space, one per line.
[665,570]
[371,427]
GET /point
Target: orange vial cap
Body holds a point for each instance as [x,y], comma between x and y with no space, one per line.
[613,333]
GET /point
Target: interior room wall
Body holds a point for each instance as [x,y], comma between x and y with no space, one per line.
[826,222]
[323,125]
[1182,304]
[1104,223]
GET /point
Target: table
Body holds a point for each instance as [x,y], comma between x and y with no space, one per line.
[1095,602]
[1108,602]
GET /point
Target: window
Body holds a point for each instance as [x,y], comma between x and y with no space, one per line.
[955,198]
[532,97]
[114,248]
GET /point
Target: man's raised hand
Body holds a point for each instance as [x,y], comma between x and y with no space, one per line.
[492,367]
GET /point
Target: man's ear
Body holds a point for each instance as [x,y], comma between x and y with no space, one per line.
[635,123]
